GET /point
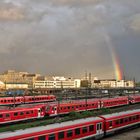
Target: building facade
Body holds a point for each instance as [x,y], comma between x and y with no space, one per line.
[113,84]
[16,86]
[12,76]
[58,82]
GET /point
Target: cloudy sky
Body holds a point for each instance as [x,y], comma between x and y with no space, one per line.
[68,37]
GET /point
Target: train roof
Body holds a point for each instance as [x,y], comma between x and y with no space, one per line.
[135,96]
[118,98]
[116,115]
[48,127]
[1,98]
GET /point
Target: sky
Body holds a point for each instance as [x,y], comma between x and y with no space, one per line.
[68,37]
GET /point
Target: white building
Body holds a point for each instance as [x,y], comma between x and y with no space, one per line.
[112,84]
[58,82]
[16,86]
[2,85]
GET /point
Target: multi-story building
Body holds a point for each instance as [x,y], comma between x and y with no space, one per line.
[14,77]
[57,82]
[16,86]
[112,83]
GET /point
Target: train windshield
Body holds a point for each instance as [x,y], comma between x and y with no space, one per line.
[47,108]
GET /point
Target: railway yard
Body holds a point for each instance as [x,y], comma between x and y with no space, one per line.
[41,113]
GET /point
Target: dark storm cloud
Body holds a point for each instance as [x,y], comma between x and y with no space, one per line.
[69,37]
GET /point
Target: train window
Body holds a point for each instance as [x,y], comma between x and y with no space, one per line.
[51,137]
[137,117]
[32,112]
[69,133]
[91,128]
[121,121]
[110,123]
[77,131]
[130,118]
[61,135]
[30,139]
[117,122]
[42,138]
[126,120]
[68,107]
[5,101]
[15,114]
[21,113]
[27,112]
[7,115]
[1,116]
[84,130]
[134,117]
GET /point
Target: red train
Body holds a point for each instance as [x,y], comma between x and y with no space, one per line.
[134,99]
[89,128]
[20,114]
[64,108]
[26,99]
[54,109]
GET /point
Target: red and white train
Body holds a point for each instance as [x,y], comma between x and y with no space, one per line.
[91,104]
[134,99]
[26,99]
[20,114]
[54,109]
[87,128]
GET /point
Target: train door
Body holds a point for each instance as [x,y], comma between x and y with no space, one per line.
[101,104]
[39,113]
[55,110]
[99,128]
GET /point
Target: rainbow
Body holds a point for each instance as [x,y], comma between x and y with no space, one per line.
[115,59]
[116,65]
